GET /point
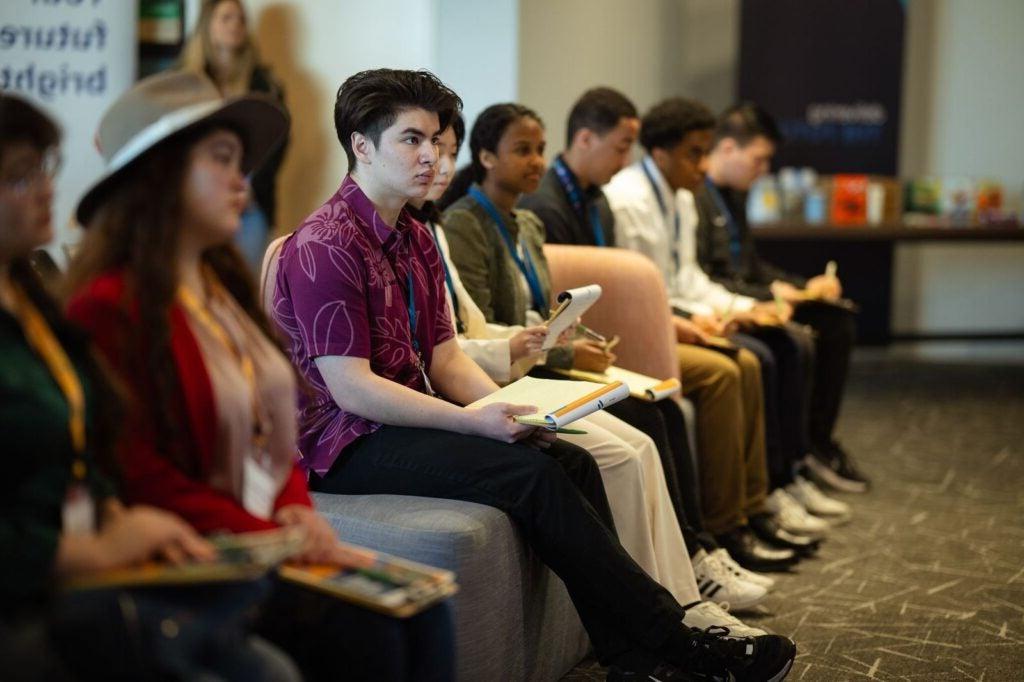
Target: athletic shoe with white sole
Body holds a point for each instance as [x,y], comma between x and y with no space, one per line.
[706,614]
[837,471]
[817,502]
[792,516]
[723,556]
[717,583]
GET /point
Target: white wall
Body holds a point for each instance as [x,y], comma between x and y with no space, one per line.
[568,46]
[312,47]
[477,53]
[973,109]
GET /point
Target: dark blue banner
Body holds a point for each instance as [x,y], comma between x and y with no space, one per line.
[830,71]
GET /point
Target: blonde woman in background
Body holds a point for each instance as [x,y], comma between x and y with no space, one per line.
[222,49]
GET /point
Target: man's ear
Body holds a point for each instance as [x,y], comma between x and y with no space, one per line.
[488,159]
[583,138]
[660,157]
[362,148]
[727,145]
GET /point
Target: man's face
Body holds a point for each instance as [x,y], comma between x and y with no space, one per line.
[685,164]
[607,154]
[404,162]
[742,165]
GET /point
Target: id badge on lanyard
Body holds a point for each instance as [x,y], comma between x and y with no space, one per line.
[78,514]
[259,490]
[413,319]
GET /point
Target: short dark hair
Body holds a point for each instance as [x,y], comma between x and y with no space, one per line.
[745,121]
[667,123]
[21,121]
[600,110]
[370,101]
[458,124]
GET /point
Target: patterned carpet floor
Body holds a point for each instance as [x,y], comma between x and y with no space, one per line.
[927,581]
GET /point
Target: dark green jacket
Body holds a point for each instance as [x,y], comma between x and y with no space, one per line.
[37,459]
[488,271]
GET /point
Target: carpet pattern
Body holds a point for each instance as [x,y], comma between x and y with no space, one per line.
[927,581]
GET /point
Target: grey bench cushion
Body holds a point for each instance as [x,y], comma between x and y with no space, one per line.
[513,617]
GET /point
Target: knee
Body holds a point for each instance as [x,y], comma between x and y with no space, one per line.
[748,364]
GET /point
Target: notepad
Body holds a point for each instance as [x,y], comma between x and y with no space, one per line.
[558,402]
[240,557]
[391,585]
[640,386]
[572,304]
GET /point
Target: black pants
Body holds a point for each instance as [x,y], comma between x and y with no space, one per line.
[330,639]
[664,423]
[552,495]
[833,344]
[786,356]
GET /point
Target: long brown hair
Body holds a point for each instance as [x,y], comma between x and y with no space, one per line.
[197,55]
[137,227]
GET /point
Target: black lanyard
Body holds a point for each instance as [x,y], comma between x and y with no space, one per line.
[735,246]
[575,194]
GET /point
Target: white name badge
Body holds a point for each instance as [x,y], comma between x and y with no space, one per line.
[258,489]
[78,515]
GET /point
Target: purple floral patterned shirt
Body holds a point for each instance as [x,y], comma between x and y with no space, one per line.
[341,289]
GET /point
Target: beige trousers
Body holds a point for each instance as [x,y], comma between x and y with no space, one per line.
[644,517]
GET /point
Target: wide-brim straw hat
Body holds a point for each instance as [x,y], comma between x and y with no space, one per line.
[171,103]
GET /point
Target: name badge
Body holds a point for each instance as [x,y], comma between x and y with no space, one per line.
[78,515]
[258,488]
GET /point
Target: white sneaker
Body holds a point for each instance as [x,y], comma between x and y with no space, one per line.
[717,583]
[792,516]
[724,558]
[817,502]
[707,614]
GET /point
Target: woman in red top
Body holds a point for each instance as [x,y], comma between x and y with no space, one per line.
[212,435]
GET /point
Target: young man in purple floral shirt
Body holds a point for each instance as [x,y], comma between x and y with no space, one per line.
[360,293]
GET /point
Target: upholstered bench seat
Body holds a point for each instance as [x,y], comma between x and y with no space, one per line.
[513,617]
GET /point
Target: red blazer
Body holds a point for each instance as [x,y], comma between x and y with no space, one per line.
[150,478]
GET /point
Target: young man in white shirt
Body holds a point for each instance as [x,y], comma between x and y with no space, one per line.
[655,214]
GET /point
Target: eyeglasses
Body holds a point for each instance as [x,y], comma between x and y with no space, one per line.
[23,180]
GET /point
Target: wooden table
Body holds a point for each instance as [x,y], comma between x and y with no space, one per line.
[865,259]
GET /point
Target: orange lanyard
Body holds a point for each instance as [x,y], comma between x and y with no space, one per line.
[244,359]
[43,341]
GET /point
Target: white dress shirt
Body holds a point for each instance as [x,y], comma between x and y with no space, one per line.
[644,226]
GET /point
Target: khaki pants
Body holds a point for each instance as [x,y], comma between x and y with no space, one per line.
[730,433]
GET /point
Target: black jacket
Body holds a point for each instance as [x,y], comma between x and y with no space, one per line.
[561,223]
[752,275]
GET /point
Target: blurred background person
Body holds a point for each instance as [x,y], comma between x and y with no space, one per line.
[223,49]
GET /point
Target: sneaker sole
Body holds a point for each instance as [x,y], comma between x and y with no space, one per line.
[826,476]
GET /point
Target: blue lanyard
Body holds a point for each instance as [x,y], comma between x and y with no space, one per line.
[575,194]
[664,212]
[448,280]
[735,247]
[540,303]
[411,305]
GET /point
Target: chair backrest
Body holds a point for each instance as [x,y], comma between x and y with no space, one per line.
[633,303]
[268,273]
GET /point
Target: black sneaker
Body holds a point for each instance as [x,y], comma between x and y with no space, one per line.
[835,470]
[845,466]
[714,656]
